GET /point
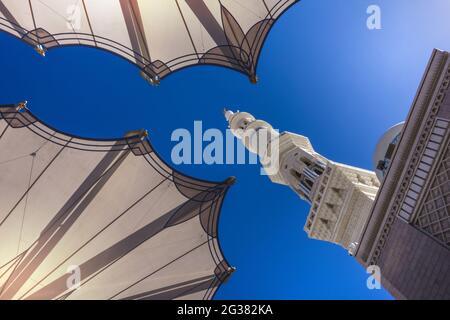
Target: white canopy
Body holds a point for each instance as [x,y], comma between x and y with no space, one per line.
[159,36]
[108,211]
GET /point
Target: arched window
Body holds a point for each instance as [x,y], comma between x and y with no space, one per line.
[297,175]
[306,161]
[318,170]
[308,183]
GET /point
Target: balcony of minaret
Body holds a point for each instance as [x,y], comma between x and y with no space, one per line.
[341,203]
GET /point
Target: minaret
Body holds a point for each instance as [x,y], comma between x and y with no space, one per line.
[340,196]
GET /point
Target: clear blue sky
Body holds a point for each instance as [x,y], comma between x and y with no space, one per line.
[322,74]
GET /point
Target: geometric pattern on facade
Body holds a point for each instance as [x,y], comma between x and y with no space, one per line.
[434,216]
[110,211]
[159,36]
[423,170]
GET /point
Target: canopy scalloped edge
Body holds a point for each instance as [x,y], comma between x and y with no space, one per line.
[137,143]
[239,52]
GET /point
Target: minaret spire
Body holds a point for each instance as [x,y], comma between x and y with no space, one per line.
[340,195]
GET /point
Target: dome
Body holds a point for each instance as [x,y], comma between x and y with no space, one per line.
[384,150]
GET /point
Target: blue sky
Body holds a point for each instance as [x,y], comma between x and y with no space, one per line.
[322,74]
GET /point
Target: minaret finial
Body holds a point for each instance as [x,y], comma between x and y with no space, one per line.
[40,49]
[21,106]
[227,114]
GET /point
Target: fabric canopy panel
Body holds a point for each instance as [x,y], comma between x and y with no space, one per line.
[109,215]
[159,36]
